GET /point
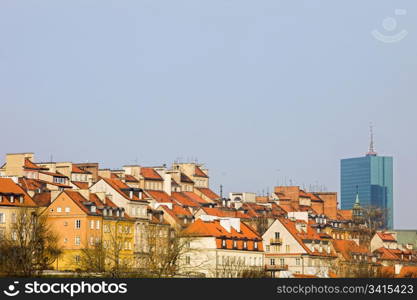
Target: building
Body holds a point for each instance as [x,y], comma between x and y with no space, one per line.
[221,247]
[293,247]
[372,177]
[12,199]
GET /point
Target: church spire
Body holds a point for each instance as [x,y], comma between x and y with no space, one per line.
[371,151]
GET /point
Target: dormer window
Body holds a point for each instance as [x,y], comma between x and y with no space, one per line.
[1,198]
[104,212]
[117,213]
[255,245]
[12,199]
[234,244]
[223,243]
[245,245]
[21,199]
[93,208]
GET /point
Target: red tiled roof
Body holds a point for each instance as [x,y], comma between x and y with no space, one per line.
[118,185]
[159,196]
[130,178]
[348,248]
[344,214]
[8,186]
[76,169]
[386,237]
[218,212]
[81,185]
[42,199]
[209,193]
[195,197]
[28,164]
[56,174]
[214,229]
[150,174]
[300,236]
[184,200]
[198,172]
[30,184]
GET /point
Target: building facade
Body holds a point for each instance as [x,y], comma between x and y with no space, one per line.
[372,177]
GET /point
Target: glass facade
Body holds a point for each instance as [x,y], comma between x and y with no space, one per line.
[372,176]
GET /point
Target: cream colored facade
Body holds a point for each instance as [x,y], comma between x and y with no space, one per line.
[203,258]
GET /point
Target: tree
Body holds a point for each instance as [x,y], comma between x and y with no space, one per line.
[106,256]
[30,246]
[372,219]
[164,252]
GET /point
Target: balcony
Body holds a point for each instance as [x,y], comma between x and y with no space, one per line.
[275,241]
[276,267]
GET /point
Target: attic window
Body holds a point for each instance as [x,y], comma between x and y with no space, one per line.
[234,244]
[1,198]
[21,199]
[12,198]
[223,243]
[104,212]
[255,245]
[93,208]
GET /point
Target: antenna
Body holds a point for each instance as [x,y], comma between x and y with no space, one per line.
[371,151]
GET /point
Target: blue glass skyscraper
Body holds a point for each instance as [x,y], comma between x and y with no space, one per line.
[372,177]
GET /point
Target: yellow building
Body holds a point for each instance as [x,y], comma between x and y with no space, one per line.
[12,199]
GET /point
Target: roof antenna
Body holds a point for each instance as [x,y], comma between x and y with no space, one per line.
[371,151]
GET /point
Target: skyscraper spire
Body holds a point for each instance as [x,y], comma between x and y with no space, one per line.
[371,151]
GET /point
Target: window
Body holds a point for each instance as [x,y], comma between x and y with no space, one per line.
[77,259]
[97,224]
[268,248]
[224,243]
[91,224]
[11,198]
[65,223]
[59,209]
[1,198]
[187,260]
[77,240]
[282,262]
[2,218]
[234,244]
[245,245]
[67,209]
[92,241]
[21,199]
[277,235]
[297,261]
[287,248]
[13,217]
[106,228]
[272,262]
[77,224]
[255,245]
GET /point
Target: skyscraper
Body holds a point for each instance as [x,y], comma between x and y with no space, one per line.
[371,177]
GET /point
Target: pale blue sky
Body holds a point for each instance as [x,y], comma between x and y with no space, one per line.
[248,87]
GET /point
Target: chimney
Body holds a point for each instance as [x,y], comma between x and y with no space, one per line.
[225,223]
[235,223]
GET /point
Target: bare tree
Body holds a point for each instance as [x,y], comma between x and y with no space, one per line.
[165,251]
[30,246]
[236,267]
[106,256]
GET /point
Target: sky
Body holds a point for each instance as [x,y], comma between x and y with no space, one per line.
[261,92]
